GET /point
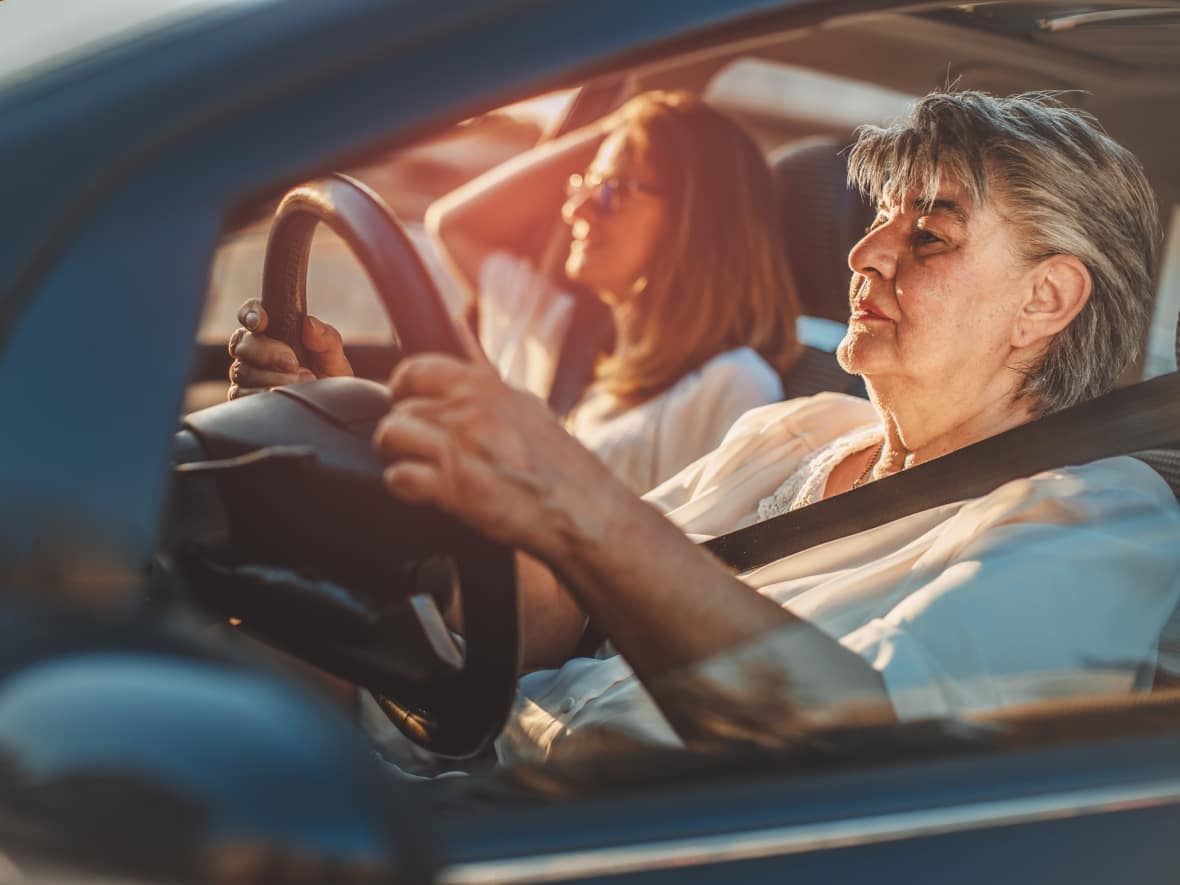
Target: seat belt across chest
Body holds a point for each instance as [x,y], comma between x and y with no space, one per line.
[1134,419]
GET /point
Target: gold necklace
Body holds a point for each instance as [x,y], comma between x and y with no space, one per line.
[860,480]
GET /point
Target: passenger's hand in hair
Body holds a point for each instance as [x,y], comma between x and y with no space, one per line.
[261,362]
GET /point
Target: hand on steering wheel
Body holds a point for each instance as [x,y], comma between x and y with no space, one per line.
[261,362]
[347,583]
[460,439]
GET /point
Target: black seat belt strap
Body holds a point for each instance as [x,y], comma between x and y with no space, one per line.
[1132,419]
[590,335]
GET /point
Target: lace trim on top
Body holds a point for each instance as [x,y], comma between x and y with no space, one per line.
[806,485]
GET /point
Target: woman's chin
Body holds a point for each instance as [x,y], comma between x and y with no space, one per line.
[576,269]
[579,270]
[860,355]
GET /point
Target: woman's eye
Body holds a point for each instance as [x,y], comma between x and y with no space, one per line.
[923,237]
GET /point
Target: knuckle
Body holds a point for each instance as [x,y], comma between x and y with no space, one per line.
[388,433]
[406,376]
[256,350]
[246,345]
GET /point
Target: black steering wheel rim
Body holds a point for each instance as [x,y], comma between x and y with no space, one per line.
[378,240]
[462,714]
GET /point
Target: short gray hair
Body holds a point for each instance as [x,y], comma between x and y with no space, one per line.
[1071,190]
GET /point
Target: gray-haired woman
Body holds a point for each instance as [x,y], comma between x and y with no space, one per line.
[1007,274]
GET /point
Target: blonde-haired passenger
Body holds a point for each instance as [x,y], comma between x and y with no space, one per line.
[672,223]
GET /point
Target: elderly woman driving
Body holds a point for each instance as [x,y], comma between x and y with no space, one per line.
[1007,275]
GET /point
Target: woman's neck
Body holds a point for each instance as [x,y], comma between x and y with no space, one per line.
[915,434]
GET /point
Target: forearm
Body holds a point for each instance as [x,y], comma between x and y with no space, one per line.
[551,621]
[664,602]
[507,207]
[459,439]
[705,643]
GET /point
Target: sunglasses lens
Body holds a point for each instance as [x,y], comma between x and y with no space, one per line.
[604,195]
[608,197]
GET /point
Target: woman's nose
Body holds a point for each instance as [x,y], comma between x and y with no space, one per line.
[577,207]
[876,252]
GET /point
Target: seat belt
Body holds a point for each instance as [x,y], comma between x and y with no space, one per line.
[1144,416]
[590,335]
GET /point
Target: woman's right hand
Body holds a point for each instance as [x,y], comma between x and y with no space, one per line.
[261,362]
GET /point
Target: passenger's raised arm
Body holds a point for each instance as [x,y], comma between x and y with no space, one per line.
[513,207]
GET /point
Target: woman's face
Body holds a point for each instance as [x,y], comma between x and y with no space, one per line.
[616,218]
[935,297]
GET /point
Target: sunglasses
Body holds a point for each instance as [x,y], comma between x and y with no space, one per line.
[605,194]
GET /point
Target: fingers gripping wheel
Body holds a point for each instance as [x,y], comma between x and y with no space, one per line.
[279,516]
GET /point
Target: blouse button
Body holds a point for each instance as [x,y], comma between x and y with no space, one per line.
[566,706]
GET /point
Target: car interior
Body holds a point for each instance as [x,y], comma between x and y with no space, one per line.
[227,769]
[801,92]
[772,86]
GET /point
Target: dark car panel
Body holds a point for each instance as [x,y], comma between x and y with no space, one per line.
[123,171]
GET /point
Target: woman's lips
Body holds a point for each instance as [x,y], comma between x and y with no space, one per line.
[865,311]
[584,246]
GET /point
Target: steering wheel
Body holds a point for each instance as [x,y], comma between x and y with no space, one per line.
[280,519]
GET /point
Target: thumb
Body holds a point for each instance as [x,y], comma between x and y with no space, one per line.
[252,316]
[326,347]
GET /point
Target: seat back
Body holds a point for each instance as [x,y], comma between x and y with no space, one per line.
[1166,462]
[821,220]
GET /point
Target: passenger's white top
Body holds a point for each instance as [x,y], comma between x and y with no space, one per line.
[1049,587]
[523,321]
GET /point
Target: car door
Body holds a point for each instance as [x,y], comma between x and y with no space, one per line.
[101,291]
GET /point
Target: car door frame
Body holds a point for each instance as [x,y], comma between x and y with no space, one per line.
[101,289]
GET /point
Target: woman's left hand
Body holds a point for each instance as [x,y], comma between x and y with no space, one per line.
[460,439]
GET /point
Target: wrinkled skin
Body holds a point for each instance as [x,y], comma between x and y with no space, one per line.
[261,362]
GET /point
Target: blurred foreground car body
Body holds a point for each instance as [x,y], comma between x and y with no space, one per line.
[131,748]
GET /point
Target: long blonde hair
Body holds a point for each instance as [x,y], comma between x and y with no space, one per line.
[719,279]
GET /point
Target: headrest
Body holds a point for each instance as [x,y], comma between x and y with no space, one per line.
[822,219]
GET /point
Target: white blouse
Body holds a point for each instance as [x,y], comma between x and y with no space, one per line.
[523,321]
[961,608]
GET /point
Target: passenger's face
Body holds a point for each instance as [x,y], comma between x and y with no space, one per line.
[617,218]
[935,294]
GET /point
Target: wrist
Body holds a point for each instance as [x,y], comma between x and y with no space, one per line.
[603,529]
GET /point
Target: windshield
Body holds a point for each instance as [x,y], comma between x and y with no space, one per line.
[40,35]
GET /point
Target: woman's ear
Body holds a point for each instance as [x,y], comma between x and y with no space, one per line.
[1061,287]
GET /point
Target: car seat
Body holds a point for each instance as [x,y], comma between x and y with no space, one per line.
[822,218]
[1166,462]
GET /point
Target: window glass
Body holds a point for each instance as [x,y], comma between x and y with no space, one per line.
[339,291]
[753,86]
[409,181]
